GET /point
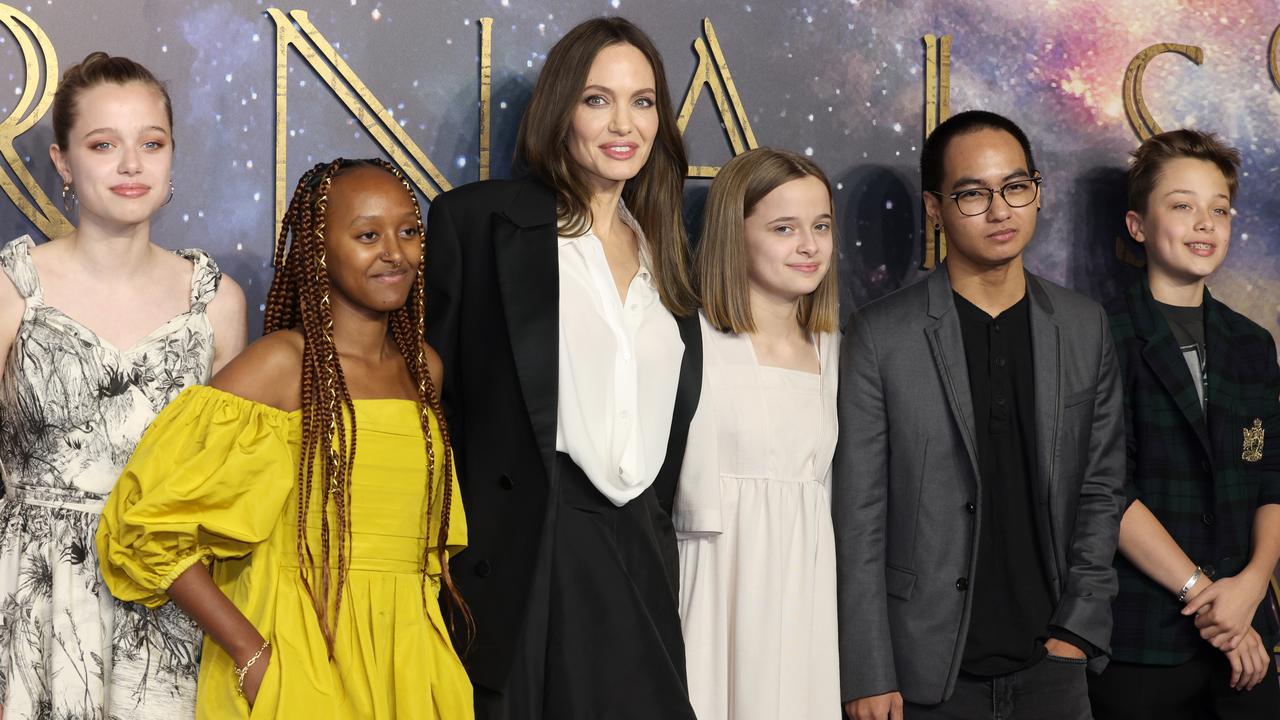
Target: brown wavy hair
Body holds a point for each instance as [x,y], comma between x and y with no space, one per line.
[99,68]
[654,196]
[299,299]
[1158,150]
[721,261]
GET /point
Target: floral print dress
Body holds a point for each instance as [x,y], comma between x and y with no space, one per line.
[72,408]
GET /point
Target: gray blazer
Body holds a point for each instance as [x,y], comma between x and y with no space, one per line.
[906,470]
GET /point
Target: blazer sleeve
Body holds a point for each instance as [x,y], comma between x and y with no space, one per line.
[860,501]
[1091,583]
[443,276]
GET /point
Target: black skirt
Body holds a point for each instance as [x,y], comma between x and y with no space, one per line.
[601,639]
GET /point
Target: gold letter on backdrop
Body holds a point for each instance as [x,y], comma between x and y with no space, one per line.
[486,81]
[1274,56]
[713,72]
[42,213]
[295,30]
[1134,106]
[937,108]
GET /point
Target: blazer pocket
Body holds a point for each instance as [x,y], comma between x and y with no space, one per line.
[1079,397]
[899,583]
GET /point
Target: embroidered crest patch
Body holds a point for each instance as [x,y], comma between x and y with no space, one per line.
[1253,437]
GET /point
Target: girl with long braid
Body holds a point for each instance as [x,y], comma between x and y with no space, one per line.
[313,570]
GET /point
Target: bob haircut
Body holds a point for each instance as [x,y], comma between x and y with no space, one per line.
[722,259]
[654,196]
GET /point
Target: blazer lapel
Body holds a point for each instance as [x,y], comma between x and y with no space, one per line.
[1046,357]
[947,345]
[1220,399]
[1163,356]
[529,279]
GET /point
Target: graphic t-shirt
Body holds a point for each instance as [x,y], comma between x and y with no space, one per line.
[1187,324]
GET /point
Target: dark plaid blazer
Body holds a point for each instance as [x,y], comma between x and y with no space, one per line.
[1186,465]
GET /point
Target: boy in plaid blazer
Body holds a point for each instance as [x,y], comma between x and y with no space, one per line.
[1200,537]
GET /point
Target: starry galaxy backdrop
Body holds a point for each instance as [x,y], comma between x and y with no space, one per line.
[840,80]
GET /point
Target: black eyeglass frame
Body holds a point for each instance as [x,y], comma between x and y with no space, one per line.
[991,194]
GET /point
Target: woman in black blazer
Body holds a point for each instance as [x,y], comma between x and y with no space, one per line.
[562,308]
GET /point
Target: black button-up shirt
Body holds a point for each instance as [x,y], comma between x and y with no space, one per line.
[1012,600]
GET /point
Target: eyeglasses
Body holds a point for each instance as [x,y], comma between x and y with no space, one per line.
[976,201]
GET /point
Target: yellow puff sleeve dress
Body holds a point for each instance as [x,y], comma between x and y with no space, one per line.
[213,480]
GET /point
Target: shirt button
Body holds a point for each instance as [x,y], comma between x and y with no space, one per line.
[1000,400]
[970,508]
[995,326]
[483,569]
[962,584]
[624,414]
[1000,362]
[635,306]
[626,357]
[1208,518]
[1204,465]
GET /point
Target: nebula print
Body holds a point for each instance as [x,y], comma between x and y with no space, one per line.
[841,81]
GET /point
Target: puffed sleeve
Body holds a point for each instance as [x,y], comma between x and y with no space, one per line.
[207,481]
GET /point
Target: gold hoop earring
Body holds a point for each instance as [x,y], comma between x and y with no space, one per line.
[69,196]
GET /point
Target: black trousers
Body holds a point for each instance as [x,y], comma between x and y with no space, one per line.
[608,644]
[1052,689]
[1198,689]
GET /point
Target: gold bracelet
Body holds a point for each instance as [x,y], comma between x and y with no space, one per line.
[241,672]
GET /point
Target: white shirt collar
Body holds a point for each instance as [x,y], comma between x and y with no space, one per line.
[646,259]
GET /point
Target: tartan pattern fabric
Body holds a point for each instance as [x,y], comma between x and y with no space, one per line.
[1185,464]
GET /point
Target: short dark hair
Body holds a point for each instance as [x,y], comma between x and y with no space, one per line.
[1150,158]
[970,121]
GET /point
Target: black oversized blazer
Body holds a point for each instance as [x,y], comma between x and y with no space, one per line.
[492,313]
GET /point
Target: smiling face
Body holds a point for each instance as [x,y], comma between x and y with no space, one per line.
[987,158]
[789,240]
[119,154]
[1186,228]
[372,242]
[616,118]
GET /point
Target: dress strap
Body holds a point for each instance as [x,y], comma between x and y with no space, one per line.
[688,392]
[15,260]
[204,278]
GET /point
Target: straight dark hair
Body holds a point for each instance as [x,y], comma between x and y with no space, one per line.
[654,196]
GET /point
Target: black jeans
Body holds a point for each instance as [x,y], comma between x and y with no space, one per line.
[1052,689]
[1198,689]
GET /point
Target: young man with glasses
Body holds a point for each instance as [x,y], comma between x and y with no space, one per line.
[979,474]
[1200,538]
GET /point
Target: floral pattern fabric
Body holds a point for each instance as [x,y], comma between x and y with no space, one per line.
[72,408]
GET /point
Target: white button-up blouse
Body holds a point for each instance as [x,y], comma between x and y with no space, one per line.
[619,368]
